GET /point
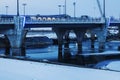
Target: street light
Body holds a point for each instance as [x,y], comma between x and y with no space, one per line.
[24,4]
[6,9]
[59,9]
[74,4]
[17,7]
[65,7]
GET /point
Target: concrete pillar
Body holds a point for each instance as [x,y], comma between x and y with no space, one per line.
[101,35]
[119,30]
[60,33]
[79,35]
[7,46]
[60,49]
[66,40]
[67,53]
[16,38]
[101,40]
[92,41]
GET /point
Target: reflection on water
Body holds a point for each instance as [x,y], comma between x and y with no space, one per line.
[51,52]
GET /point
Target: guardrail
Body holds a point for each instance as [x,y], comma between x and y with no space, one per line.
[65,20]
[6,21]
[56,20]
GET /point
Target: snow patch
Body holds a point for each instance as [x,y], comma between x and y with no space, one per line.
[27,70]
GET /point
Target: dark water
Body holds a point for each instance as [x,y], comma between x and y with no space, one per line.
[50,53]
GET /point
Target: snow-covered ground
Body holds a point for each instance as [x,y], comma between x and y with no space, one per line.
[26,70]
[109,65]
[114,66]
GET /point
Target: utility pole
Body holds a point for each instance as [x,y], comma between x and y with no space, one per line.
[24,4]
[59,9]
[17,7]
[74,4]
[6,10]
[65,7]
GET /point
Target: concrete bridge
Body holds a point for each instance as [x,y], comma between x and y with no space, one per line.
[15,30]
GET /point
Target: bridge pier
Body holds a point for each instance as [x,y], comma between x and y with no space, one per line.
[102,34]
[67,53]
[119,30]
[102,41]
[79,35]
[66,40]
[17,44]
[16,38]
[93,41]
[7,46]
[60,33]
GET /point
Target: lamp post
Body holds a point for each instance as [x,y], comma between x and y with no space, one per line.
[74,4]
[17,7]
[65,7]
[59,9]
[6,10]
[24,4]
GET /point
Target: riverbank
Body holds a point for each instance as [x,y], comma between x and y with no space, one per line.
[12,69]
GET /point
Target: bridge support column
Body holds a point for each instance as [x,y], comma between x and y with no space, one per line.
[7,46]
[119,30]
[60,33]
[79,35]
[17,37]
[92,41]
[102,34]
[67,53]
[66,42]
[101,40]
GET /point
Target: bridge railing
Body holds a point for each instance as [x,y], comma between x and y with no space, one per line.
[66,20]
[6,20]
[31,20]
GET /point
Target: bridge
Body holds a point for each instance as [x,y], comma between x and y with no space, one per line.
[16,28]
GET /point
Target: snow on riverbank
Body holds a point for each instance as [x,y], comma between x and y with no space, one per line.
[109,65]
[27,70]
[115,65]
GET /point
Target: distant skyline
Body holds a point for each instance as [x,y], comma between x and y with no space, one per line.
[50,7]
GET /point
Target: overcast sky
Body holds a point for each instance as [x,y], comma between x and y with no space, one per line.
[46,7]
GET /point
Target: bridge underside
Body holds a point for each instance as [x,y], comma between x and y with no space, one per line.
[63,35]
[65,25]
[6,26]
[16,34]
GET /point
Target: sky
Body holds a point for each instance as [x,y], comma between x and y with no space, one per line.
[50,7]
